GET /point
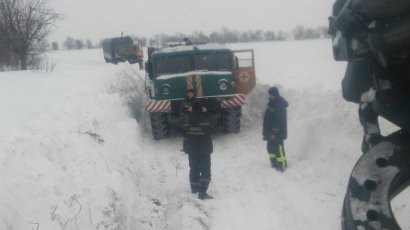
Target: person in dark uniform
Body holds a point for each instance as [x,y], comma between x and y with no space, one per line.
[198,145]
[189,100]
[275,129]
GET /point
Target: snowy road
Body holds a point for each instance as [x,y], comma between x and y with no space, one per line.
[77,158]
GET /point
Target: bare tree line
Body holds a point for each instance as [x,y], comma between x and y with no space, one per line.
[71,43]
[223,36]
[226,35]
[24,27]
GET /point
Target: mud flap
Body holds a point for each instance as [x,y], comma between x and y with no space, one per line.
[231,119]
[159,125]
[357,80]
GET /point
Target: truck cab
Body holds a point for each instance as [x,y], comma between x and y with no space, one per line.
[212,71]
[121,49]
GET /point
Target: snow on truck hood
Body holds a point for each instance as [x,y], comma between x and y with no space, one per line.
[192,48]
[197,72]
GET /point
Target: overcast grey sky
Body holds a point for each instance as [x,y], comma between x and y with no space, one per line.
[96,19]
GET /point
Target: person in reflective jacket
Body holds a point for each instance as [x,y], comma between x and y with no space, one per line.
[275,129]
[198,145]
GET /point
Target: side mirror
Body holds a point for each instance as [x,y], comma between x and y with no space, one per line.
[236,62]
[148,69]
[150,51]
[149,92]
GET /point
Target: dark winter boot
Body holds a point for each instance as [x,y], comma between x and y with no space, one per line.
[194,187]
[281,169]
[204,196]
[203,187]
[274,163]
[282,164]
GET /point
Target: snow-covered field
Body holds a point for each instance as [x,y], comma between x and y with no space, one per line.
[74,152]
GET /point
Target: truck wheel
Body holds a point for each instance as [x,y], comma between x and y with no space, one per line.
[160,126]
[231,119]
[378,176]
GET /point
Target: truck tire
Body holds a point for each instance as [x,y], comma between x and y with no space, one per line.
[160,126]
[231,119]
[378,176]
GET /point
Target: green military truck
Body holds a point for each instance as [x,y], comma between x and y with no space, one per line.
[221,79]
[121,49]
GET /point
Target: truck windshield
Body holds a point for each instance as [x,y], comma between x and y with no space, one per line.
[125,50]
[212,61]
[172,64]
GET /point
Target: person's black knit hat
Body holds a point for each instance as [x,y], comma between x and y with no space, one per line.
[273,91]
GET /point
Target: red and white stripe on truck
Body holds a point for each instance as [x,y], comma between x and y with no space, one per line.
[165,106]
[159,106]
[236,100]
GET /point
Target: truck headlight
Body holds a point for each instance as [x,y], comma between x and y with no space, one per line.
[223,84]
[165,89]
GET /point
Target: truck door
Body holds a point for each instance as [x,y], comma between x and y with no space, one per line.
[244,71]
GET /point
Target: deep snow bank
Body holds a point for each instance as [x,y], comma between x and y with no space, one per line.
[77,165]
